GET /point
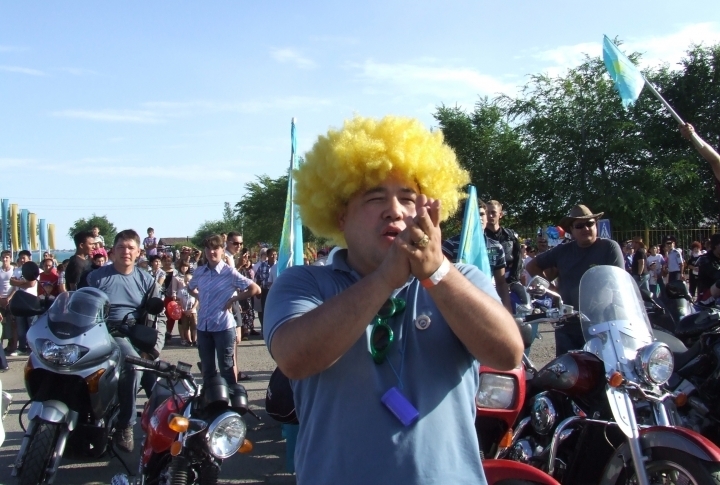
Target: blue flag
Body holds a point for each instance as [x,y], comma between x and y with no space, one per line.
[472,249]
[291,242]
[628,79]
[6,246]
[24,229]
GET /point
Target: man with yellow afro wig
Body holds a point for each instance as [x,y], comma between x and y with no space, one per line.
[382,345]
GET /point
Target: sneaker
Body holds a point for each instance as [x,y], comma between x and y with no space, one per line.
[124,439]
[168,337]
[14,353]
[254,332]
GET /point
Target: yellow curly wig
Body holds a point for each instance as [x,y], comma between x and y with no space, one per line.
[362,155]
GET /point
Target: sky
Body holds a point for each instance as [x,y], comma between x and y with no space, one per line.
[156,113]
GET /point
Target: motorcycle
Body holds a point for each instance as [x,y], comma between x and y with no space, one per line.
[189,429]
[71,377]
[600,415]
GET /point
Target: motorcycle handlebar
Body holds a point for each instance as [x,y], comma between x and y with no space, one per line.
[157,365]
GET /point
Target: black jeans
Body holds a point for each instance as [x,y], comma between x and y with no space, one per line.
[263,297]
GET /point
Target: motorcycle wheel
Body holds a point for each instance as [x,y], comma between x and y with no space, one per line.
[38,454]
[669,466]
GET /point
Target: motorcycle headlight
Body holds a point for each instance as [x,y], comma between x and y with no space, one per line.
[495,391]
[655,363]
[225,435]
[542,414]
[59,354]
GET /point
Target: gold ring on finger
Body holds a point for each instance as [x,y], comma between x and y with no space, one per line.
[423,242]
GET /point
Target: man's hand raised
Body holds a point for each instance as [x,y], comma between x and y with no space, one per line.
[423,239]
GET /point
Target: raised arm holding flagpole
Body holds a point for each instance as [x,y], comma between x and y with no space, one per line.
[629,82]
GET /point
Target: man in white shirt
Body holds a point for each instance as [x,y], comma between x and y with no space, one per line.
[655,263]
[6,272]
[22,324]
[675,262]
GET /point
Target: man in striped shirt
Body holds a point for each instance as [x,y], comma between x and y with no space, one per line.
[217,287]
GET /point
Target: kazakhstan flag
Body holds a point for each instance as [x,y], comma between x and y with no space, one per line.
[472,248]
[291,242]
[628,79]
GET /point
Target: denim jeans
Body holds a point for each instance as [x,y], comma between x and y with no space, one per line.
[566,341]
[643,281]
[127,385]
[23,325]
[222,345]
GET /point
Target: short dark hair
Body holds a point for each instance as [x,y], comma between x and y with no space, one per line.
[154,257]
[271,250]
[5,253]
[232,234]
[714,240]
[49,259]
[81,237]
[150,229]
[212,242]
[127,235]
[25,252]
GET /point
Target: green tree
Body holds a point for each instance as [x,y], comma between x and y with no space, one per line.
[262,211]
[229,222]
[107,228]
[492,151]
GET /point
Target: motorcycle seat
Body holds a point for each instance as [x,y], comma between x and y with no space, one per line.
[696,324]
[682,358]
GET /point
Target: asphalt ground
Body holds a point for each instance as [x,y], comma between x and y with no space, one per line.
[265,464]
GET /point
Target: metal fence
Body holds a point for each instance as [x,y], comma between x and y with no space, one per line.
[684,235]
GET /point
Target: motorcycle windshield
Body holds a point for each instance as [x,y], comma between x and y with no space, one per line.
[613,318]
[79,308]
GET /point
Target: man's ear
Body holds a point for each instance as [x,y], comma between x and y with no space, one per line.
[341,219]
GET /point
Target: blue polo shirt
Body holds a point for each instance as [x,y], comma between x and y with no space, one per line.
[346,434]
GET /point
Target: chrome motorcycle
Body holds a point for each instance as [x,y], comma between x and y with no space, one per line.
[600,415]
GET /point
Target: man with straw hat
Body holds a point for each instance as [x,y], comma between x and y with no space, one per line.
[569,262]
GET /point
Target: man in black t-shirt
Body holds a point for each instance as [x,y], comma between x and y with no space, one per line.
[79,262]
[569,262]
[709,271]
[639,269]
[507,238]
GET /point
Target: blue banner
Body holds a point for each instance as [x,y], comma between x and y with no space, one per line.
[43,235]
[291,242]
[6,246]
[24,229]
[472,249]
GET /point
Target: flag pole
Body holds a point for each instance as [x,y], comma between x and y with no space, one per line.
[694,138]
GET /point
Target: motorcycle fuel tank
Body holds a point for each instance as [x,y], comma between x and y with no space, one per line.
[159,434]
[574,374]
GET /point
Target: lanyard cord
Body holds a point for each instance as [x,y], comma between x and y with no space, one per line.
[405,339]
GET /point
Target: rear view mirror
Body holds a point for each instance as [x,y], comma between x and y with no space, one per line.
[155,306]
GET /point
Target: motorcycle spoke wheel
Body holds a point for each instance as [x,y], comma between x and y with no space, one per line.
[674,467]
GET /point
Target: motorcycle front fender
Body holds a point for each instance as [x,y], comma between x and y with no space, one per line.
[674,438]
[496,470]
[53,411]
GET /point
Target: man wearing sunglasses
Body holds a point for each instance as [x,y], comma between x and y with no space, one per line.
[382,345]
[569,262]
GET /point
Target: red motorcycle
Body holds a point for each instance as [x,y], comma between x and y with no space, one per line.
[189,429]
[600,415]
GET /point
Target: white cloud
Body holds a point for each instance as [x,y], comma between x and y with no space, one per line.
[656,50]
[294,57]
[109,115]
[430,77]
[22,70]
[11,48]
[163,111]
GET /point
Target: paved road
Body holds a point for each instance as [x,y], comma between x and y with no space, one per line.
[264,465]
